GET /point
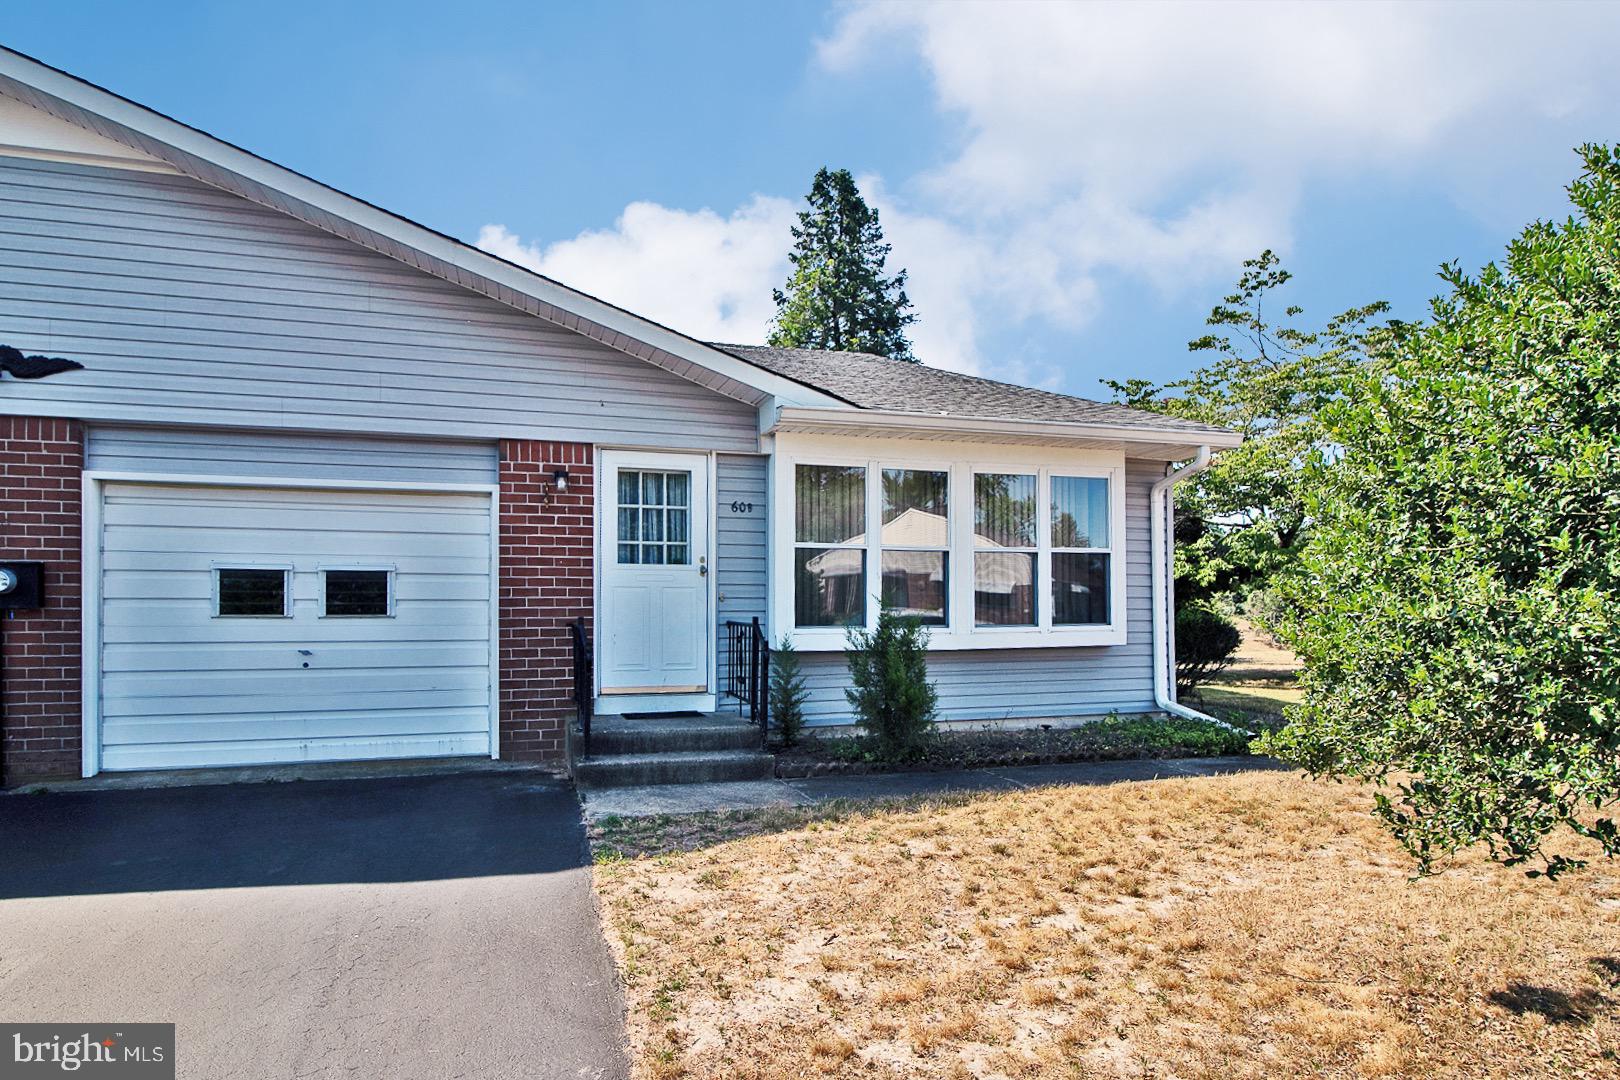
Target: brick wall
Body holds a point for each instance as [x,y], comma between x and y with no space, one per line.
[546,553]
[40,463]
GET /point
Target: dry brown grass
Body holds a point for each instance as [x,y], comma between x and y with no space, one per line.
[1244,926]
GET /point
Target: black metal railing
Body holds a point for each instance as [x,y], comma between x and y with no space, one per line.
[584,678]
[748,673]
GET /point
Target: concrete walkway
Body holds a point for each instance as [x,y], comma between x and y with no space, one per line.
[758,794]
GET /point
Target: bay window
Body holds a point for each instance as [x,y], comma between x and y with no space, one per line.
[1004,550]
[1080,558]
[915,543]
[829,553]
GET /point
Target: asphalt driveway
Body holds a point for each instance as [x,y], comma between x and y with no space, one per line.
[405,927]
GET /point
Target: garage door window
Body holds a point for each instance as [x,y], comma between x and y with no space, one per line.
[250,592]
[357,593]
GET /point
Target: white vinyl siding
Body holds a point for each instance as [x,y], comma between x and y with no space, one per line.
[190,305]
[206,452]
[180,687]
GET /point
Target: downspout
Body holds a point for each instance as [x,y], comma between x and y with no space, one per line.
[1160,525]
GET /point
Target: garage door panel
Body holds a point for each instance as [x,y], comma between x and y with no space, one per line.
[225,727]
[290,751]
[255,656]
[181,686]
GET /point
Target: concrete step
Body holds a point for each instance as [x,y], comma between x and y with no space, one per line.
[677,767]
[671,734]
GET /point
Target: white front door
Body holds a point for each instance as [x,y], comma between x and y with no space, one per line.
[654,633]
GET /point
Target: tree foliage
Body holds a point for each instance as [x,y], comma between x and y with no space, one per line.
[893,701]
[1457,594]
[837,296]
[1205,642]
[1268,378]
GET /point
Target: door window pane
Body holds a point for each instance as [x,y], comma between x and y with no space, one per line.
[356,592]
[830,504]
[1079,512]
[1004,588]
[653,518]
[1004,510]
[245,592]
[1079,588]
[916,583]
[915,511]
[829,586]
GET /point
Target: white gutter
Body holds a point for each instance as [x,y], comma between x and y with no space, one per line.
[1161,522]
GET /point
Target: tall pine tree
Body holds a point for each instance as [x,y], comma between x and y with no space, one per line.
[837,296]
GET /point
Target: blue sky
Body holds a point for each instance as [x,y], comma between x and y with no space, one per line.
[1071,187]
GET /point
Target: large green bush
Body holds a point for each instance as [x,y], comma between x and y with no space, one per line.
[1456,603]
[1205,642]
[893,700]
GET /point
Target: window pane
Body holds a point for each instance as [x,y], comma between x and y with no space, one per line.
[676,486]
[1003,510]
[1079,511]
[829,586]
[652,489]
[652,554]
[357,592]
[675,526]
[915,583]
[252,592]
[652,524]
[677,554]
[629,488]
[629,554]
[1004,588]
[629,523]
[1079,588]
[914,508]
[830,504]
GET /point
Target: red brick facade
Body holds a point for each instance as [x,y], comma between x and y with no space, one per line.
[40,463]
[547,544]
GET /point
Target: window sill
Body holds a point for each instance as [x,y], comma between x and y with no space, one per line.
[941,640]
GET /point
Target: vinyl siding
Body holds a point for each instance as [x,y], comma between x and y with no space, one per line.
[191,305]
[282,455]
[740,543]
[995,684]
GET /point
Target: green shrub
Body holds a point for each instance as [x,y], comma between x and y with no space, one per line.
[788,692]
[1205,642]
[893,700]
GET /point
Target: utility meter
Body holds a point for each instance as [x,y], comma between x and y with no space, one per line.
[22,585]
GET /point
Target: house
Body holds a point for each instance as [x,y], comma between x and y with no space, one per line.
[333,486]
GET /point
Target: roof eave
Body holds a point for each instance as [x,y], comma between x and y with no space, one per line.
[879,423]
[213,161]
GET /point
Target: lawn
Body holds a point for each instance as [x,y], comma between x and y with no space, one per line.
[1255,925]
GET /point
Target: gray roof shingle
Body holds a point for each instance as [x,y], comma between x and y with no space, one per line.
[876,382]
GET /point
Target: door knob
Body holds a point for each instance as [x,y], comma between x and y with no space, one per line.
[703,566]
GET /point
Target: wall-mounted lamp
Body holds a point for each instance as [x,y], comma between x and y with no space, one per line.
[557,486]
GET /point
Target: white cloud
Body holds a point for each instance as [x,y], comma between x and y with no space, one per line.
[1161,143]
[694,271]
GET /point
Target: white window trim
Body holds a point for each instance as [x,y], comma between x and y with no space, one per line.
[286,587]
[961,460]
[386,568]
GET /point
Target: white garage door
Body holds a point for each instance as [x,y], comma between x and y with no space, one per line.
[253,626]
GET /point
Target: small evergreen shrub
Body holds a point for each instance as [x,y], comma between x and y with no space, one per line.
[1205,642]
[788,692]
[889,690]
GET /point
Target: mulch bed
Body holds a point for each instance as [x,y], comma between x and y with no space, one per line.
[1109,739]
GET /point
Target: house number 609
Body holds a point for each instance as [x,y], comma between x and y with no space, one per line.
[739,507]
